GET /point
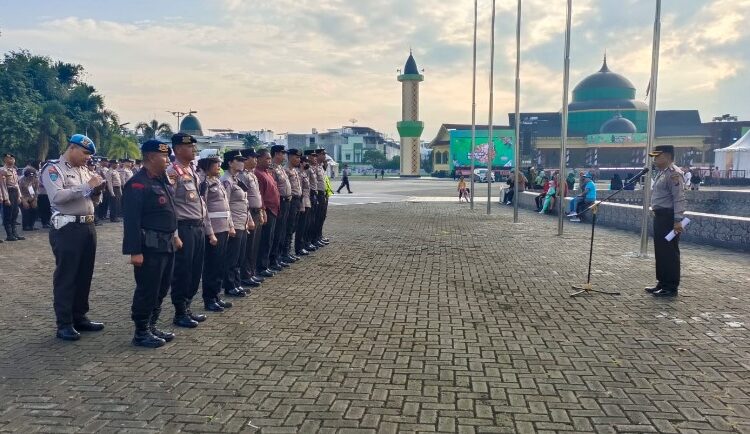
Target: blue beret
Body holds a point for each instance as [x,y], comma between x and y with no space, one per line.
[84,142]
[154,145]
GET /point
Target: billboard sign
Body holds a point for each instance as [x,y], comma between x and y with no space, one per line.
[617,139]
[500,153]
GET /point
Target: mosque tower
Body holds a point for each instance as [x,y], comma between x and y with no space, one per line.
[410,128]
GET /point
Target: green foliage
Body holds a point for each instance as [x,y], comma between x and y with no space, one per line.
[251,141]
[43,102]
[393,164]
[374,157]
[123,147]
[153,129]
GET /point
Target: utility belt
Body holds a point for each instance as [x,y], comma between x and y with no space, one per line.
[12,187]
[218,215]
[190,222]
[663,212]
[157,241]
[59,220]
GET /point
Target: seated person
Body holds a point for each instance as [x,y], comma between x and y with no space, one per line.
[539,199]
[586,198]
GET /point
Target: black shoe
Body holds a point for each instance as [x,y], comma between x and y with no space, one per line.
[235,292]
[326,241]
[319,244]
[20,238]
[224,304]
[11,238]
[185,321]
[284,264]
[251,283]
[311,248]
[87,325]
[652,289]
[302,252]
[198,317]
[259,279]
[68,333]
[275,269]
[45,226]
[665,293]
[213,307]
[166,336]
[266,273]
[289,259]
[144,338]
[98,223]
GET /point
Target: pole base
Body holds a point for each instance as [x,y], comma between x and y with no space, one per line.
[587,287]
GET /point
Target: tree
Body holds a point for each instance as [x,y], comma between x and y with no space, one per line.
[394,163]
[375,158]
[123,147]
[251,141]
[153,129]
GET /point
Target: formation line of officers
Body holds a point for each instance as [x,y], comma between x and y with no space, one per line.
[186,226]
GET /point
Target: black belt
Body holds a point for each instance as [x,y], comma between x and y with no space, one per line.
[256,209]
[297,197]
[190,222]
[286,198]
[12,187]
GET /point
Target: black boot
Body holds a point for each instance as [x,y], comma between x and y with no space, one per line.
[15,234]
[182,317]
[143,336]
[167,336]
[9,233]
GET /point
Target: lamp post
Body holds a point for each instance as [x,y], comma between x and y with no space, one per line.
[474,106]
[564,129]
[517,143]
[490,141]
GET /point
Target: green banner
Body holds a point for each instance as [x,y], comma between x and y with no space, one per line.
[460,148]
[621,139]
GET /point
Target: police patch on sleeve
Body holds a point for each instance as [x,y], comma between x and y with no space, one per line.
[53,174]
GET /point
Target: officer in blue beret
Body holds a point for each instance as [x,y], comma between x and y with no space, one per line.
[150,224]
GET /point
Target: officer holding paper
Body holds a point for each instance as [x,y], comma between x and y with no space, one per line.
[668,205]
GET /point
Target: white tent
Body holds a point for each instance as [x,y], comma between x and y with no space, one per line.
[735,156]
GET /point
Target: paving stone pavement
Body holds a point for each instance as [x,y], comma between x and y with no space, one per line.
[421,317]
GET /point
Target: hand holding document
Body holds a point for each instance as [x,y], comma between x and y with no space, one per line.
[670,236]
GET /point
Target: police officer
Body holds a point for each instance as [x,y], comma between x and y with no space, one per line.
[293,162]
[73,193]
[668,206]
[285,193]
[300,237]
[125,170]
[257,217]
[312,218]
[191,216]
[149,238]
[102,170]
[114,186]
[269,192]
[10,206]
[233,165]
[324,187]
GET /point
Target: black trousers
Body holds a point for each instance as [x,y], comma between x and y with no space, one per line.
[235,257]
[266,241]
[312,218]
[44,209]
[213,267]
[115,203]
[101,209]
[28,218]
[152,281]
[666,253]
[279,235]
[10,212]
[322,213]
[74,247]
[344,183]
[291,223]
[188,266]
[249,264]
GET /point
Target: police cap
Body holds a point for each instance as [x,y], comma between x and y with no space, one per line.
[296,152]
[247,153]
[155,145]
[275,149]
[183,139]
[658,150]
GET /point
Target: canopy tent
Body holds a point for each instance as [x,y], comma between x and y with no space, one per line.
[735,156]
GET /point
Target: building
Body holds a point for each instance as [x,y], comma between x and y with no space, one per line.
[606,128]
[347,144]
[191,125]
[410,128]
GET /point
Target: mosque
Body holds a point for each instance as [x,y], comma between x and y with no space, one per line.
[606,128]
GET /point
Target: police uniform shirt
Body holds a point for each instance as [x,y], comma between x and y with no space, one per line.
[254,199]
[68,189]
[29,187]
[188,202]
[217,204]
[11,176]
[668,192]
[282,180]
[294,182]
[3,190]
[304,181]
[312,178]
[148,204]
[125,175]
[113,180]
[320,177]
[237,199]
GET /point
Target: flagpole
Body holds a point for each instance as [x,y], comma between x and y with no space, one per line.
[651,127]
[517,146]
[490,139]
[564,130]
[474,106]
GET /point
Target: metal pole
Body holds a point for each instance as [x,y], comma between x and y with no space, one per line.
[474,106]
[651,127]
[564,131]
[517,147]
[490,141]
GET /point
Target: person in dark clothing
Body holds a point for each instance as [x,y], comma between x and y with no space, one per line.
[616,182]
[345,179]
[630,186]
[149,237]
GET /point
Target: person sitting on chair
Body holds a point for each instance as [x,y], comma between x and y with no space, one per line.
[586,198]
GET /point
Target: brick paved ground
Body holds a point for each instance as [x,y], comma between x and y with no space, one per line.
[421,317]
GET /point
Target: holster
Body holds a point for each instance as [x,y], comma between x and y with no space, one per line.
[158,242]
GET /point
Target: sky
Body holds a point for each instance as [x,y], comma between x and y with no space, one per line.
[295,65]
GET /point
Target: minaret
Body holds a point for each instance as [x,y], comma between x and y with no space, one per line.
[410,128]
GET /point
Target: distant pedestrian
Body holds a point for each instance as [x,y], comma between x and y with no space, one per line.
[616,182]
[695,180]
[382,174]
[345,179]
[463,192]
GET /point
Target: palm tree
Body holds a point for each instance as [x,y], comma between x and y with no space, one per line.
[122,147]
[55,126]
[153,129]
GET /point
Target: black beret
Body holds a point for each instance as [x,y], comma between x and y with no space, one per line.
[205,163]
[8,154]
[137,161]
[310,152]
[113,161]
[89,162]
[234,154]
[296,152]
[154,145]
[321,150]
[183,139]
[669,149]
[276,149]
[248,153]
